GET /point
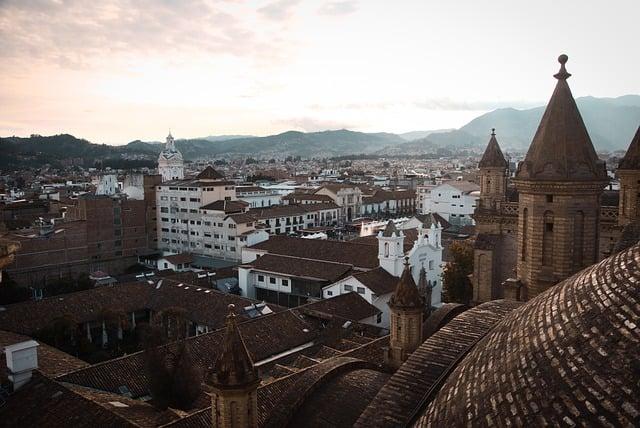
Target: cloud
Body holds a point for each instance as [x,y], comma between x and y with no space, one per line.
[460,105]
[308,124]
[336,8]
[76,34]
[279,10]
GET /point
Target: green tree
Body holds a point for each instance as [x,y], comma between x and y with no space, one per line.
[455,277]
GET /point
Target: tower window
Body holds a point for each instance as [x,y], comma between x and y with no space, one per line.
[549,198]
[548,227]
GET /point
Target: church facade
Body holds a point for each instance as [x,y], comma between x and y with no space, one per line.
[170,161]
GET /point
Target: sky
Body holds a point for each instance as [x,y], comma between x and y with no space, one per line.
[113,71]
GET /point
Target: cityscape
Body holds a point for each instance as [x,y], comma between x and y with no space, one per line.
[319,271]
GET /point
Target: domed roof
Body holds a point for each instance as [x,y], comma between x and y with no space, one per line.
[570,356]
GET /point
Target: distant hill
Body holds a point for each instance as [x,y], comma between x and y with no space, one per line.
[611,123]
[416,135]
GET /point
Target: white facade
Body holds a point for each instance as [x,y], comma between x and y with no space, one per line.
[351,284]
[348,198]
[426,251]
[258,197]
[455,201]
[107,185]
[170,162]
[187,224]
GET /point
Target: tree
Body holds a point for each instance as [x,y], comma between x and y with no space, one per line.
[174,379]
[455,277]
[10,292]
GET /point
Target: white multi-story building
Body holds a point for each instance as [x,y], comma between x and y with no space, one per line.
[170,162]
[203,216]
[454,200]
[258,197]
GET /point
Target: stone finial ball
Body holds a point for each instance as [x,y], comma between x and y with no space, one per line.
[562,59]
[231,306]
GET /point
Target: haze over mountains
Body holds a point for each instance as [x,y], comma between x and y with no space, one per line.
[611,122]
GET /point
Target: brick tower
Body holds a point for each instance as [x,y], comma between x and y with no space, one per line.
[493,176]
[560,183]
[234,381]
[629,174]
[407,307]
[494,245]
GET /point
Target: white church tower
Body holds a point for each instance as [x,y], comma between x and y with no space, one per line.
[391,249]
[170,162]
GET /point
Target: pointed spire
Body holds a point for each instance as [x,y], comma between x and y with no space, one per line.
[390,230]
[493,157]
[234,367]
[561,149]
[631,159]
[406,294]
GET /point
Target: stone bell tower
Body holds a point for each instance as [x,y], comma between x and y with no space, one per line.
[629,174]
[234,382]
[560,183]
[407,307]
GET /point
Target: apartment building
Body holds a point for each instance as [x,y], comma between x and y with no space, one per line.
[204,216]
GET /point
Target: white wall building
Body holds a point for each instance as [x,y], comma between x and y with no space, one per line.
[203,216]
[453,200]
[377,285]
[258,197]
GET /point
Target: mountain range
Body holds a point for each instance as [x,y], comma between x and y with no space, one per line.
[611,123]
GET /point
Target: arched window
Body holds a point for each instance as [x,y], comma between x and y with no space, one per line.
[386,249]
[547,239]
[578,240]
[525,220]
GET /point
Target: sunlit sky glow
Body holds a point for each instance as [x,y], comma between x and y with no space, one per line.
[113,71]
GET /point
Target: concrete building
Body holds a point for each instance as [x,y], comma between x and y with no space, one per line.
[454,200]
[204,216]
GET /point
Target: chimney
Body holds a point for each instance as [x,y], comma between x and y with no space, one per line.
[22,360]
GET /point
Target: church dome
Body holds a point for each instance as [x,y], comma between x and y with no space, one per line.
[570,356]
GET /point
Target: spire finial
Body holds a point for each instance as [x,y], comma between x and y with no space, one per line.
[232,312]
[562,74]
[493,132]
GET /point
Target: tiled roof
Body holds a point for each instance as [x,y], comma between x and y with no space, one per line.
[339,401]
[351,306]
[46,403]
[305,385]
[51,361]
[227,206]
[179,258]
[204,306]
[358,255]
[264,336]
[567,357]
[419,378]
[209,174]
[302,268]
[378,280]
